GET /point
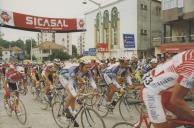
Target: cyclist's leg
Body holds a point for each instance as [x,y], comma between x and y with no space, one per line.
[156,112]
[70,90]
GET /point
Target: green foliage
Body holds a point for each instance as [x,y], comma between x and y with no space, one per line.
[59,54]
[19,43]
[4,43]
[74,51]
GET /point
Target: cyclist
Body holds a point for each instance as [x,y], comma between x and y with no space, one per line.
[12,76]
[72,77]
[35,76]
[115,74]
[47,75]
[166,86]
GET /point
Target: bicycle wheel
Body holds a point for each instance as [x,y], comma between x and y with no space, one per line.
[56,98]
[123,125]
[101,107]
[92,100]
[129,111]
[8,109]
[60,119]
[91,119]
[20,112]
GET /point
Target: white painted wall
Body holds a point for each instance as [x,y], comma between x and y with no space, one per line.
[128,25]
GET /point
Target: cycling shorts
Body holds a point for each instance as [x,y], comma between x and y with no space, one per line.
[68,83]
[109,81]
[156,104]
[12,86]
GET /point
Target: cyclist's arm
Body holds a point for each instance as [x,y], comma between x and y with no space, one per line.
[5,84]
[25,83]
[47,81]
[180,106]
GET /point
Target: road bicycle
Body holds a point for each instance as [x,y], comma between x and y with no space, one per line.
[128,102]
[15,104]
[89,117]
[144,122]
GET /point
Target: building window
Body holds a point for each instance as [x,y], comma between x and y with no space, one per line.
[144,32]
[143,7]
[114,25]
[97,26]
[158,11]
[192,31]
[106,26]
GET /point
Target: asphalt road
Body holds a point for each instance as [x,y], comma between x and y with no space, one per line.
[38,118]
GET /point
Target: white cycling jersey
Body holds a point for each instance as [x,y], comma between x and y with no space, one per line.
[179,69]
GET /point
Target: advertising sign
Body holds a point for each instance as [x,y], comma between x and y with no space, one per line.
[129,40]
[29,22]
[102,47]
[85,53]
[92,51]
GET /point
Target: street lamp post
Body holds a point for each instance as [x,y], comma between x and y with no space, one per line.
[31,50]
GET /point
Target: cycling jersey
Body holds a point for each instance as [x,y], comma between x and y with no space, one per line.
[179,69]
[69,72]
[47,74]
[112,71]
[12,77]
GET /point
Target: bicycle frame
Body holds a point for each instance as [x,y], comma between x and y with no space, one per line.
[181,122]
[83,106]
[143,118]
[14,99]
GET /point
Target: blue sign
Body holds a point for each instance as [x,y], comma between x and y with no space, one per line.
[129,40]
[85,53]
[92,49]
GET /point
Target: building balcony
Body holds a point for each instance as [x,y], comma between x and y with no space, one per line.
[179,39]
[157,41]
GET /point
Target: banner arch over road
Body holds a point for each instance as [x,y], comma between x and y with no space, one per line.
[40,24]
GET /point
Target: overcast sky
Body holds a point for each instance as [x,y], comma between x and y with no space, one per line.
[45,8]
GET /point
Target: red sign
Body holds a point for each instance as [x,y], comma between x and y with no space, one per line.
[175,47]
[102,47]
[23,21]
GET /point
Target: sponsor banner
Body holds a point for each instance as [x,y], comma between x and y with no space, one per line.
[102,47]
[6,18]
[129,40]
[176,48]
[30,22]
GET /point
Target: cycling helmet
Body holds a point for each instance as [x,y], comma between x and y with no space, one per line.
[57,61]
[154,61]
[85,61]
[20,69]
